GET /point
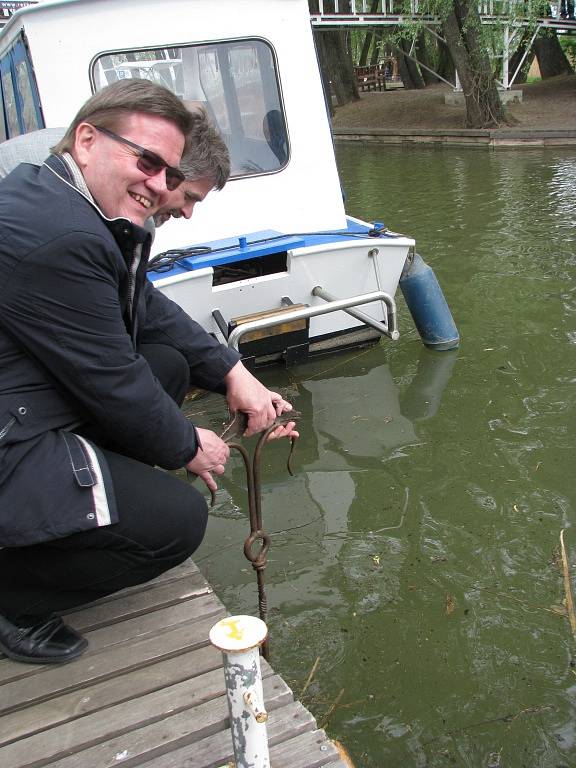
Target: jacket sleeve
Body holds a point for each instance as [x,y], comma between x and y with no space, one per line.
[62,305]
[167,323]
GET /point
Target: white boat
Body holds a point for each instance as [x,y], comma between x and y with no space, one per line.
[281,271]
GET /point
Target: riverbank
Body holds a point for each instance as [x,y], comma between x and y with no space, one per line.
[546,115]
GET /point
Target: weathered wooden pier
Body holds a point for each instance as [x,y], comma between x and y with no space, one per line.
[148,692]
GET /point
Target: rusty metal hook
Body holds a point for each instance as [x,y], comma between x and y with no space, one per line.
[254,490]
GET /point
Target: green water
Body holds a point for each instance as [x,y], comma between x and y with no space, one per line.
[416,550]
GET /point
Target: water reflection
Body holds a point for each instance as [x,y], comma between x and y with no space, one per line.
[355,421]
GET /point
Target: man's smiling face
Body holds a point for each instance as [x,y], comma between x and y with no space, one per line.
[181,202]
[110,167]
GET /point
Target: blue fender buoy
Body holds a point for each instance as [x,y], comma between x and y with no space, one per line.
[427,305]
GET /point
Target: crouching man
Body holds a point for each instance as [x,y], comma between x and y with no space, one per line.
[94,364]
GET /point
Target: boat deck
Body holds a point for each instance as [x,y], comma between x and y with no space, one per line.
[148,692]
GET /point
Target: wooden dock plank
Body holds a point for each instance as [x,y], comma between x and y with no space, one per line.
[203,663]
[117,690]
[338,764]
[182,571]
[106,664]
[215,750]
[129,606]
[311,750]
[148,692]
[149,624]
[170,717]
[136,604]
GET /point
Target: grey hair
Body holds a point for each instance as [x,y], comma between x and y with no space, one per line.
[206,155]
[109,107]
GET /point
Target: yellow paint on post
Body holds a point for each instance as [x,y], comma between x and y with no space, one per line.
[232,629]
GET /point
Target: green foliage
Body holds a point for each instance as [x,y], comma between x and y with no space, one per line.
[355,41]
[505,10]
[503,13]
[568,45]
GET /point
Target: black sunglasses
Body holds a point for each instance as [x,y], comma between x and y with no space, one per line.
[149,162]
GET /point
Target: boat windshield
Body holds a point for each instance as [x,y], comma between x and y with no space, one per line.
[235,81]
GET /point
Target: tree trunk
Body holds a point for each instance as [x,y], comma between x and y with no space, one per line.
[422,46]
[378,33]
[409,72]
[336,66]
[367,44]
[463,36]
[551,58]
[445,63]
[370,35]
[516,58]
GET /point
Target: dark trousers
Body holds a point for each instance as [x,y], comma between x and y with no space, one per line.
[162,521]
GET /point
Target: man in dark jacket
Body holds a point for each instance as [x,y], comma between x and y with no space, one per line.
[94,363]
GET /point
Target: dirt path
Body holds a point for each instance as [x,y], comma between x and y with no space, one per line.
[547,105]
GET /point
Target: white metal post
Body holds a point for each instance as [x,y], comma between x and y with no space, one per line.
[239,638]
[506,58]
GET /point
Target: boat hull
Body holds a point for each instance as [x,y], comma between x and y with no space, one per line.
[349,268]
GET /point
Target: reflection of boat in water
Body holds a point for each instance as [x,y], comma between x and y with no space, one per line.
[289,272]
[361,420]
[348,500]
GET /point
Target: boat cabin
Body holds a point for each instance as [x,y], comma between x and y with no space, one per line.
[252,65]
[281,270]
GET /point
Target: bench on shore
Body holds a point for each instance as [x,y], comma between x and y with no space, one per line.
[370,78]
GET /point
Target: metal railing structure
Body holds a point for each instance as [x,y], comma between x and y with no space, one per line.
[512,17]
[388,328]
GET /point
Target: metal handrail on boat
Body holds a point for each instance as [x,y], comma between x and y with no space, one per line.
[332,305]
[389,329]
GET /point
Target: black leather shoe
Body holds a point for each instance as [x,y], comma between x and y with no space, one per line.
[51,642]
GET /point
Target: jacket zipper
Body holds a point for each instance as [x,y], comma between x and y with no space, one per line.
[7,428]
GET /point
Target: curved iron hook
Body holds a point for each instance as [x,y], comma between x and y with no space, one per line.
[254,492]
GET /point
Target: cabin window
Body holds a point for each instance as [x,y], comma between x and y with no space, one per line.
[3,136]
[236,81]
[29,114]
[10,108]
[20,102]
